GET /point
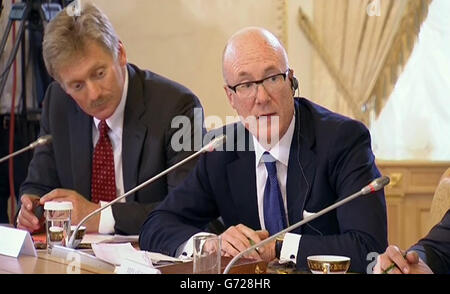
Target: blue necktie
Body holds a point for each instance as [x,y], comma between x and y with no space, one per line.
[274,214]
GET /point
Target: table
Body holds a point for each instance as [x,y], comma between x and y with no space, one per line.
[46,264]
[42,264]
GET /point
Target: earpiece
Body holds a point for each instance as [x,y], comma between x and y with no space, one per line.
[294,83]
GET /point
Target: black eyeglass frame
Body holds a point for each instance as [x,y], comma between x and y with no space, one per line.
[258,82]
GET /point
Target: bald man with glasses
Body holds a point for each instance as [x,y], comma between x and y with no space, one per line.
[285,159]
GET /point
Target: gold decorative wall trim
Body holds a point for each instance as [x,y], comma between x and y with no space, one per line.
[282,17]
[399,53]
[311,35]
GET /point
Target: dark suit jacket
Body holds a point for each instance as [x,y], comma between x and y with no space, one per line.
[152,102]
[330,158]
[434,249]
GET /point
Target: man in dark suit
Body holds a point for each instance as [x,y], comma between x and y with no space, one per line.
[430,255]
[287,158]
[111,124]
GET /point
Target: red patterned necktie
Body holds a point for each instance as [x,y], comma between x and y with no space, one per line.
[103,184]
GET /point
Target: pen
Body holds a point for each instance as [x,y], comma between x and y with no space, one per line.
[392,266]
[253,243]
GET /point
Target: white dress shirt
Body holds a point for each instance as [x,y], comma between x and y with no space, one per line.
[280,152]
[115,124]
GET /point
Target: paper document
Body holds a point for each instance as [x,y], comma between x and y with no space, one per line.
[124,238]
[95,238]
[101,238]
[130,267]
[161,258]
[127,259]
[117,253]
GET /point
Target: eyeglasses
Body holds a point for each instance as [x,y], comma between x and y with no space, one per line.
[271,84]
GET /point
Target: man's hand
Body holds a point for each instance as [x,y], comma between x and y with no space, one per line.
[409,264]
[81,207]
[238,238]
[27,220]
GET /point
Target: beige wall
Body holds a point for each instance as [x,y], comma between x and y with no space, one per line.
[299,50]
[184,39]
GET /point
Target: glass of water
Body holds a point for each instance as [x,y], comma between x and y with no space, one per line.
[207,254]
[57,220]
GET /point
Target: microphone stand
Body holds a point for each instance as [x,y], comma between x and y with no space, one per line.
[208,148]
[41,141]
[372,187]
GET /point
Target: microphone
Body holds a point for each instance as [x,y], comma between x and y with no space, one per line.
[211,146]
[39,142]
[374,186]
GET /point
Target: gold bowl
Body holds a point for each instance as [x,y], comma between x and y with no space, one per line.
[56,234]
[328,264]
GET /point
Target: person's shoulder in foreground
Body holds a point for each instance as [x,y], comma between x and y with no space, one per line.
[429,255]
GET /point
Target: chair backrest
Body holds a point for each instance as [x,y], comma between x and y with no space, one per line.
[446,174]
[441,199]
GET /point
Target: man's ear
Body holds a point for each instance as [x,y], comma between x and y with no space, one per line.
[122,54]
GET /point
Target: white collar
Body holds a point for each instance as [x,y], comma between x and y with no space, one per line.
[281,150]
[115,121]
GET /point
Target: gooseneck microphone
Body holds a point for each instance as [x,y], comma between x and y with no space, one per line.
[374,186]
[39,142]
[211,146]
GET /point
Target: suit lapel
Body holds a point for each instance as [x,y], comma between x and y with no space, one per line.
[134,132]
[301,168]
[80,125]
[242,181]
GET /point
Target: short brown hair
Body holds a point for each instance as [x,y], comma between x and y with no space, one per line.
[66,35]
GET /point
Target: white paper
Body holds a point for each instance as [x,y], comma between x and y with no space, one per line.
[158,258]
[124,238]
[113,253]
[307,214]
[28,246]
[118,253]
[15,241]
[102,238]
[131,267]
[95,238]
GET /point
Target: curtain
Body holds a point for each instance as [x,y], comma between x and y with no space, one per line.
[354,43]
[414,124]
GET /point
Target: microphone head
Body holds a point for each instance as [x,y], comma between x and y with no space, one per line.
[216,142]
[44,140]
[376,185]
[41,141]
[383,181]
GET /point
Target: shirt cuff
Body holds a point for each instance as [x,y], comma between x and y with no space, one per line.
[289,250]
[186,250]
[107,222]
